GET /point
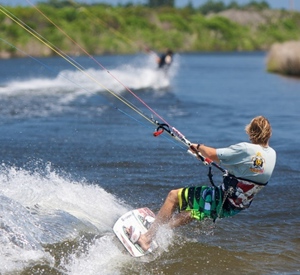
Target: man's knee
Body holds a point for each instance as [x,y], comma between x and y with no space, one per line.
[173,196]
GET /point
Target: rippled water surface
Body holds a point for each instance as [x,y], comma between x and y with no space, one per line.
[74,158]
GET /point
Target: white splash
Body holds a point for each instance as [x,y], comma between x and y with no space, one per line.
[40,208]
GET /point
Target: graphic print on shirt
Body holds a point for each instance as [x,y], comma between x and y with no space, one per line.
[257,164]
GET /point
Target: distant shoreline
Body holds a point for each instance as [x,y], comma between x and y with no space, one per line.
[102,30]
[127,30]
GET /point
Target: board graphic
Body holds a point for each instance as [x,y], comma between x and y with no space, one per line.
[129,227]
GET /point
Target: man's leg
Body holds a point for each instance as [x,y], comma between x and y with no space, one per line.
[180,219]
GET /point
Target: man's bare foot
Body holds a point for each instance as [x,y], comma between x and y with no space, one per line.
[144,241]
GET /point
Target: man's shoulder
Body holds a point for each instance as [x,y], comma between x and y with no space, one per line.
[240,145]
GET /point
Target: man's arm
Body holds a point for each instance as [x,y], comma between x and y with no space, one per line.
[206,151]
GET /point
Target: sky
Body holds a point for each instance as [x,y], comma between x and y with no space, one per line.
[275,4]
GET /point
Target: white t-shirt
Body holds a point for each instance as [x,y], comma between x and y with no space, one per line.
[248,161]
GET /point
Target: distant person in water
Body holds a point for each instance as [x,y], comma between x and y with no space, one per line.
[165,60]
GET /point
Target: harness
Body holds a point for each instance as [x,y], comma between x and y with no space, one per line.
[240,192]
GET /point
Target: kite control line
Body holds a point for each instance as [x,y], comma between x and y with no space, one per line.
[161,127]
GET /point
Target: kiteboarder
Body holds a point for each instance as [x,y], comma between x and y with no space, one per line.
[165,60]
[249,165]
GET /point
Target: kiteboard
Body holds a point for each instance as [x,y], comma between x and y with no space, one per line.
[129,227]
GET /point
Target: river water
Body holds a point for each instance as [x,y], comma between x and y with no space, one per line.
[74,158]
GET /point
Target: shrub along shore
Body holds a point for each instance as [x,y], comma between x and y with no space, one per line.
[104,29]
[284,58]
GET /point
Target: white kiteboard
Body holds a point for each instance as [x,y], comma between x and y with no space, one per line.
[129,227]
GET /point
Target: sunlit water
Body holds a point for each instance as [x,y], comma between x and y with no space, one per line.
[74,157]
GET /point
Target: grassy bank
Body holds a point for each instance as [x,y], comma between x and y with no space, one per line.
[103,29]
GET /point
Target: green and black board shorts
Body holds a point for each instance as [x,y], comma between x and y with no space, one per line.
[205,202]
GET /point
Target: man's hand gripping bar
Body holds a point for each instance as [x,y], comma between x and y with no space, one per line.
[193,151]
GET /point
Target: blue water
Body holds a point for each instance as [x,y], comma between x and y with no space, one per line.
[74,158]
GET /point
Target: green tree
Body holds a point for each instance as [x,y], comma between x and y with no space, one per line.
[59,3]
[258,5]
[233,5]
[159,3]
[212,6]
